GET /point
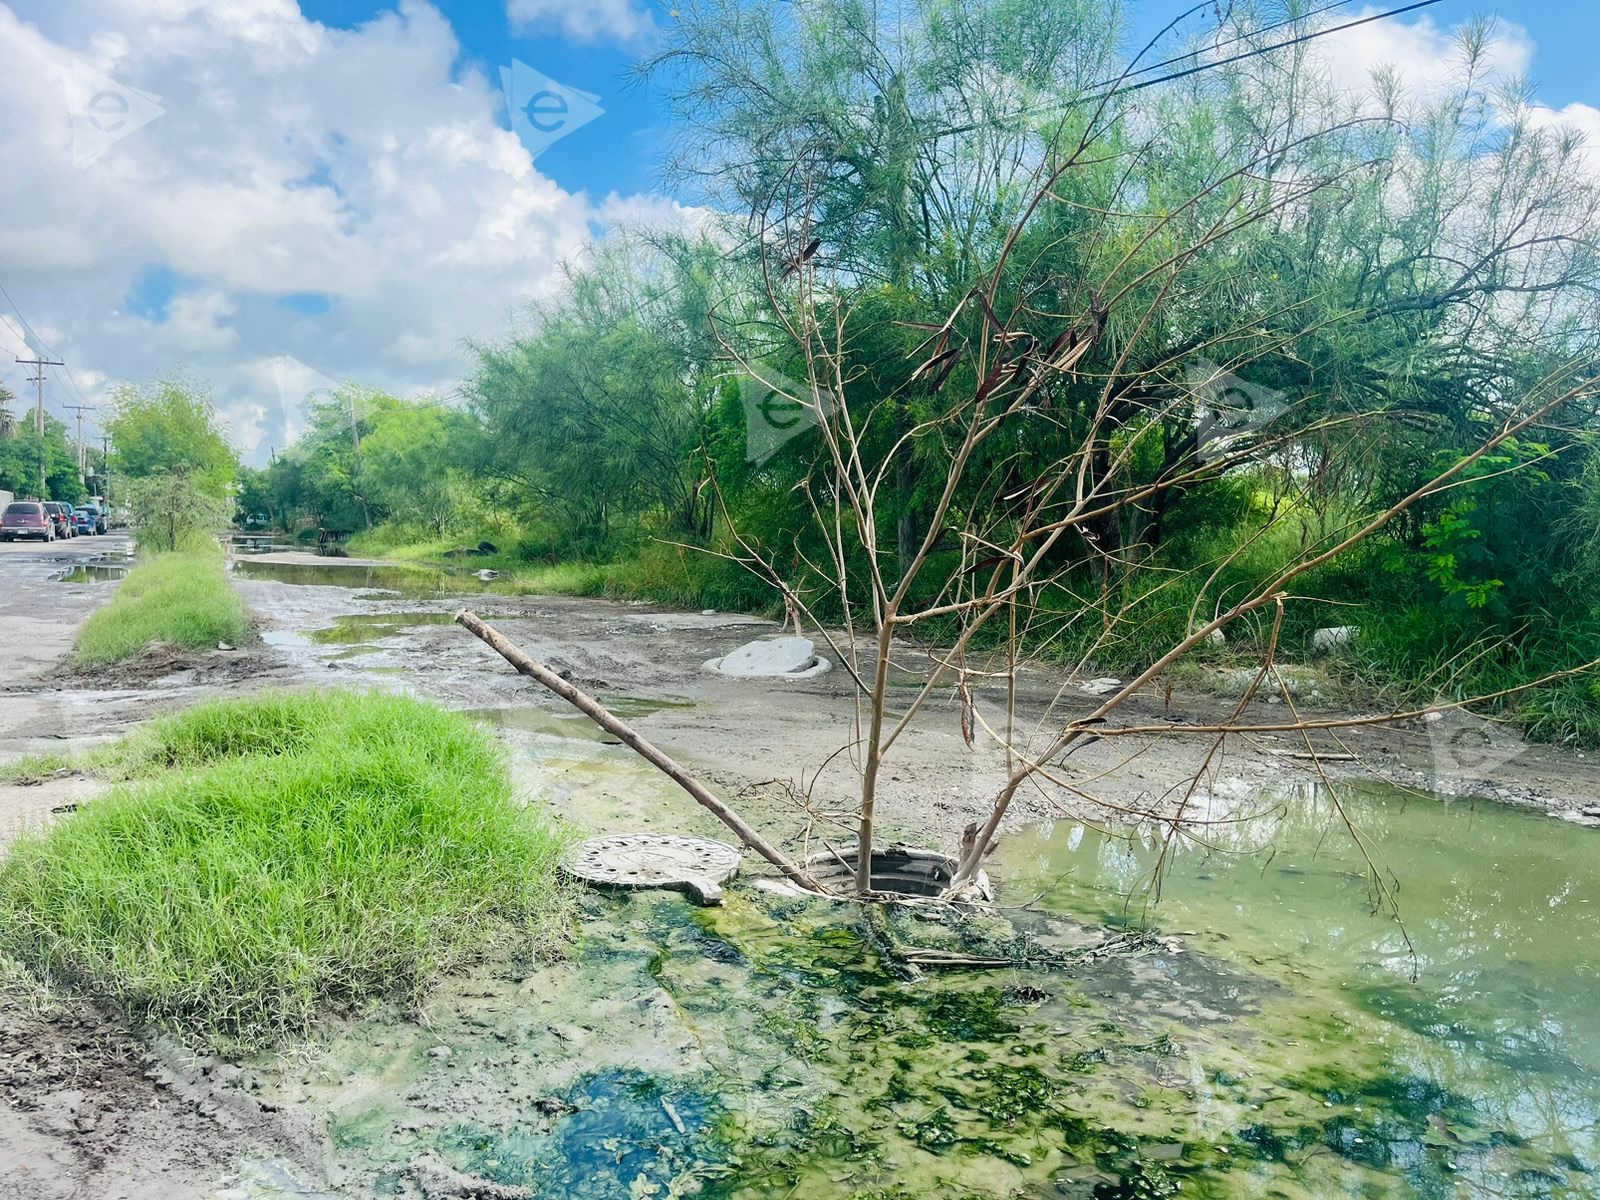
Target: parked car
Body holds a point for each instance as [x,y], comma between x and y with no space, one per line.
[97,511]
[62,515]
[85,520]
[27,519]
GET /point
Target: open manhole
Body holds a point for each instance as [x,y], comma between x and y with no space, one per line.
[694,865]
[896,870]
[772,658]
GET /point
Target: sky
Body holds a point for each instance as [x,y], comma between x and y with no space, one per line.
[275,197]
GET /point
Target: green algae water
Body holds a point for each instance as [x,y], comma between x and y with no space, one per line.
[1476,1014]
[782,1047]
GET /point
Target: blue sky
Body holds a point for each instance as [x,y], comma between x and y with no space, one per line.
[334,192]
[621,151]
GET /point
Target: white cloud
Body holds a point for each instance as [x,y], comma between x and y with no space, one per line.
[1427,60]
[1426,57]
[586,20]
[362,165]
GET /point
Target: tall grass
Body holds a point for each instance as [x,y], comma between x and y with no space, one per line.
[182,598]
[275,857]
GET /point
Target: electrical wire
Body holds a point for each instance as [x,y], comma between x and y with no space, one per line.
[1233,41]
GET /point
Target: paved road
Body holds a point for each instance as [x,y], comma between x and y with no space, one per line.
[38,617]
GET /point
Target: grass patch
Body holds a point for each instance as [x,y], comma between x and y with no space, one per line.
[182,598]
[271,858]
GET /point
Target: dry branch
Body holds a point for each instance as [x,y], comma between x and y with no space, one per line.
[628,736]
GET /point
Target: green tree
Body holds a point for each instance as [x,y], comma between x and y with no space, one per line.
[172,511]
[19,463]
[416,463]
[170,427]
[604,412]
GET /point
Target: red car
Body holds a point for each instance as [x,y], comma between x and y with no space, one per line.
[27,519]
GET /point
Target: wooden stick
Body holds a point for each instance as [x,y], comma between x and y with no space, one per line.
[591,708]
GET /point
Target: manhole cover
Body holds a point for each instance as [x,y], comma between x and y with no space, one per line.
[772,658]
[658,860]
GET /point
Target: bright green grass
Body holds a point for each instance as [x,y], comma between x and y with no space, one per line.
[183,598]
[277,857]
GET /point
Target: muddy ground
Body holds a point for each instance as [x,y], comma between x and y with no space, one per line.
[744,733]
[88,1109]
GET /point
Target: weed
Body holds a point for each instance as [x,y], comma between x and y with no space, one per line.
[280,855]
[182,598]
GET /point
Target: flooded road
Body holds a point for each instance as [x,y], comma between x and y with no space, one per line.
[1483,996]
[1267,1029]
[1289,1038]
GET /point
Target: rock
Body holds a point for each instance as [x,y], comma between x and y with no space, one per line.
[1100,687]
[225,646]
[708,612]
[1334,636]
[439,1052]
[772,656]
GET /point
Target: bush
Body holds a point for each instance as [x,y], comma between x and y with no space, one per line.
[299,851]
[182,598]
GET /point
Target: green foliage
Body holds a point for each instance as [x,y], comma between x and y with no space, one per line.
[170,512]
[603,414]
[170,428]
[19,462]
[181,598]
[279,856]
[1394,292]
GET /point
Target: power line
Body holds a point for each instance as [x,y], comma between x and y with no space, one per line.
[1233,41]
[1123,88]
[33,336]
[1294,41]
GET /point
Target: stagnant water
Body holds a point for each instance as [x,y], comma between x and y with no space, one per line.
[419,582]
[1483,997]
[1305,1044]
[773,1048]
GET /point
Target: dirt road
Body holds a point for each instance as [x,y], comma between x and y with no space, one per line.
[778,742]
[90,1109]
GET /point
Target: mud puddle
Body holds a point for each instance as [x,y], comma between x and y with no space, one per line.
[420,583]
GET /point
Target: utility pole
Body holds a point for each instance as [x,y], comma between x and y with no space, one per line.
[83,451]
[355,436]
[105,448]
[38,365]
